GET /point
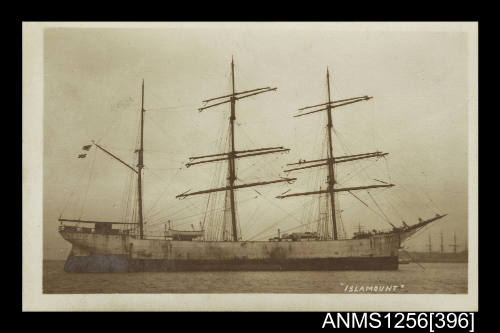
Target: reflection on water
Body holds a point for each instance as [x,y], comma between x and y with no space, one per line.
[437,278]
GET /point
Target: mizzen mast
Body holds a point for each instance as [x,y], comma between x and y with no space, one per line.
[234,154]
[140,165]
[331,160]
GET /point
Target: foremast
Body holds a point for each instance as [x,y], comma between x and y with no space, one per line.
[331,160]
[331,174]
[234,154]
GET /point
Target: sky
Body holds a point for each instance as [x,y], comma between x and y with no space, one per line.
[418,114]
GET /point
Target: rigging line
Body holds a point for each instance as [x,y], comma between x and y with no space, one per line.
[341,140]
[238,225]
[156,123]
[162,193]
[252,219]
[116,148]
[164,152]
[75,187]
[213,216]
[168,158]
[418,195]
[132,200]
[253,143]
[128,192]
[125,198]
[434,204]
[387,169]
[410,207]
[159,177]
[420,231]
[288,230]
[406,165]
[88,185]
[165,169]
[401,185]
[372,123]
[364,203]
[426,193]
[281,220]
[341,229]
[394,208]
[293,217]
[198,214]
[165,108]
[189,205]
[416,262]
[205,213]
[376,204]
[114,123]
[109,129]
[252,165]
[358,171]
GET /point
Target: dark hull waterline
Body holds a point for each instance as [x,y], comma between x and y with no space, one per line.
[122,264]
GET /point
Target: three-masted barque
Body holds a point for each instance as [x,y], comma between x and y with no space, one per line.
[99,247]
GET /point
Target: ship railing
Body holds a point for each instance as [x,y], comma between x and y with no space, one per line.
[86,230]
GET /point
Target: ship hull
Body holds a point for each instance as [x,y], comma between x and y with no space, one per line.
[122,264]
[94,253]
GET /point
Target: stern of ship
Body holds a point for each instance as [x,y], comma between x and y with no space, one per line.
[96,250]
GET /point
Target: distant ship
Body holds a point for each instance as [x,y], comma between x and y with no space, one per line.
[440,256]
[123,246]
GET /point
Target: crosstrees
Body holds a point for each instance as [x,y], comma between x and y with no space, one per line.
[331,160]
[239,156]
[377,153]
[234,97]
[233,153]
[238,93]
[237,152]
[343,189]
[335,102]
[330,105]
[335,160]
[234,187]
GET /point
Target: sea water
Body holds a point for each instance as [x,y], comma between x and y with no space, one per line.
[426,278]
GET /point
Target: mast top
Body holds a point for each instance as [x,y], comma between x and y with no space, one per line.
[233,153]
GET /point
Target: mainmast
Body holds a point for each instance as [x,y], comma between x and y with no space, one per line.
[232,171]
[140,165]
[233,154]
[331,160]
[331,175]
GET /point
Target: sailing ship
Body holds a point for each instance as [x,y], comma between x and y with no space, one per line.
[100,247]
[441,256]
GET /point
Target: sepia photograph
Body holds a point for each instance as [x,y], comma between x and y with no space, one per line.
[212,163]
